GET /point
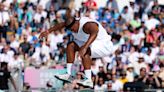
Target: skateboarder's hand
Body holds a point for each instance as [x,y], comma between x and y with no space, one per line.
[43,34]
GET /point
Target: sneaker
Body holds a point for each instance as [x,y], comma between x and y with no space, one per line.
[64,77]
[86,83]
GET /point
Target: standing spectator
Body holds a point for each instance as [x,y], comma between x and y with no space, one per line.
[4,76]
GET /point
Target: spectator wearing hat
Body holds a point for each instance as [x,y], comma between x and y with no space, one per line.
[140,63]
[130,73]
[153,81]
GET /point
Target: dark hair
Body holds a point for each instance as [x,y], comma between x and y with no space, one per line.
[4,65]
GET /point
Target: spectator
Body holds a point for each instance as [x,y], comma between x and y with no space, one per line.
[117,85]
[139,64]
[126,14]
[130,74]
[153,81]
[4,76]
[4,20]
[123,78]
[101,86]
[137,38]
[24,46]
[161,74]
[91,4]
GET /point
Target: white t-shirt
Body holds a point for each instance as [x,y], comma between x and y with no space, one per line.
[54,40]
[38,16]
[117,85]
[137,38]
[16,63]
[43,3]
[14,44]
[101,88]
[149,58]
[6,57]
[5,17]
[137,66]
[133,57]
[151,23]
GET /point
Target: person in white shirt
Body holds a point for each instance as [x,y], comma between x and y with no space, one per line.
[14,43]
[137,38]
[127,15]
[101,86]
[90,41]
[39,14]
[7,54]
[4,19]
[16,62]
[41,54]
[152,22]
[139,64]
[117,85]
[130,73]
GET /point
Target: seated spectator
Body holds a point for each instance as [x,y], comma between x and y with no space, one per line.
[130,73]
[101,74]
[161,74]
[139,64]
[153,81]
[142,76]
[123,78]
[100,86]
[117,85]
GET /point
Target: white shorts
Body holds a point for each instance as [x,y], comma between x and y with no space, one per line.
[99,48]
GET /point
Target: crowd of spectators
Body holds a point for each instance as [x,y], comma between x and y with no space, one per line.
[137,32]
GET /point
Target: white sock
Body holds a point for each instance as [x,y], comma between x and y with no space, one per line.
[88,73]
[69,67]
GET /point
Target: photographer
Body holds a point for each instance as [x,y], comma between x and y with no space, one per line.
[153,81]
[4,76]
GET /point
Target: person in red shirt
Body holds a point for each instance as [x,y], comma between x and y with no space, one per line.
[91,4]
